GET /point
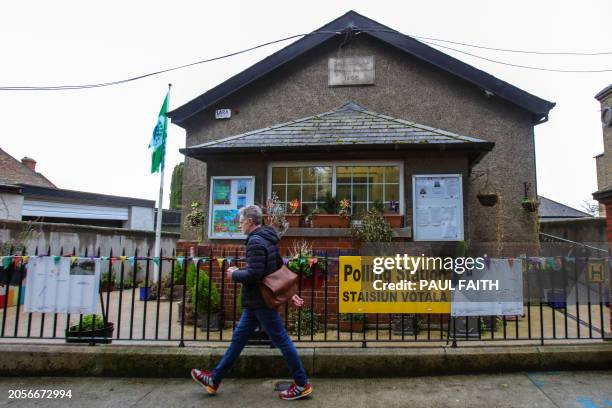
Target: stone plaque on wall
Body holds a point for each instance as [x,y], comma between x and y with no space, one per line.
[351,71]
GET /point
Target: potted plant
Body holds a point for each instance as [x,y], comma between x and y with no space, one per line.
[203,300]
[389,213]
[108,281]
[373,228]
[146,290]
[275,215]
[302,260]
[294,217]
[331,213]
[88,331]
[530,204]
[351,322]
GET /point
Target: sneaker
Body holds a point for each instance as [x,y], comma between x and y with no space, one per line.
[296,392]
[204,378]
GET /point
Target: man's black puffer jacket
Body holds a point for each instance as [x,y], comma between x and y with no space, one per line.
[258,242]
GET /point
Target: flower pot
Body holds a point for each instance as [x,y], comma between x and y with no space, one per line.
[106,286]
[330,221]
[487,199]
[345,326]
[294,220]
[146,293]
[103,335]
[530,206]
[394,220]
[214,324]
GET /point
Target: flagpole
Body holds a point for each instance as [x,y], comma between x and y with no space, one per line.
[158,224]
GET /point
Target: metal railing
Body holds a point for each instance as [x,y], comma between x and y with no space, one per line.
[193,301]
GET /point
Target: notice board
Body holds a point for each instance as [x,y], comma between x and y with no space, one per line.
[437,207]
[228,195]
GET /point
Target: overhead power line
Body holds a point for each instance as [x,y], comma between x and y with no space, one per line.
[426,40]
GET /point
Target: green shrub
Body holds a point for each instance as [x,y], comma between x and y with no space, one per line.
[87,323]
[373,228]
[306,316]
[202,295]
[357,317]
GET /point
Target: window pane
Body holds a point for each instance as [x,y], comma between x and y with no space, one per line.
[323,190]
[294,175]
[309,192]
[279,175]
[391,192]
[343,191]
[392,174]
[293,192]
[324,175]
[359,192]
[281,190]
[309,175]
[376,174]
[376,192]
[360,174]
[343,174]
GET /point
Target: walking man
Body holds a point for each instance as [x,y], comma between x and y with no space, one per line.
[262,257]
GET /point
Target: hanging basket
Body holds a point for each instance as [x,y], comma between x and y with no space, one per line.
[488,199]
[530,206]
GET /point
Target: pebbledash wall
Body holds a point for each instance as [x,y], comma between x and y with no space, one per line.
[406,88]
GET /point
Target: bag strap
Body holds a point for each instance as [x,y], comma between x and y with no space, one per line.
[278,264]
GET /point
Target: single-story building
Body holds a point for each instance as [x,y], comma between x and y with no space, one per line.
[358,110]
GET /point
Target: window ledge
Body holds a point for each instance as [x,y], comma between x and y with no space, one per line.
[405,232]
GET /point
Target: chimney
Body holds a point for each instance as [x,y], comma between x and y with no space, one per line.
[29,163]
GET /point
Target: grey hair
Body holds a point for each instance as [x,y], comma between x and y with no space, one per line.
[253,212]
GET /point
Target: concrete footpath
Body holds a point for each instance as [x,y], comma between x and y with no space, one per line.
[256,362]
[584,389]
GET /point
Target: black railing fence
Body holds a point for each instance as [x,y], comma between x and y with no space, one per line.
[193,301]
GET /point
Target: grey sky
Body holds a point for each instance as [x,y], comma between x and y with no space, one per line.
[96,140]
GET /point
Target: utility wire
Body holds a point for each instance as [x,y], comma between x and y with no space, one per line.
[426,40]
[518,65]
[122,81]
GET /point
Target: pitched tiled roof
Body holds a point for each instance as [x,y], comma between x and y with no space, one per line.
[12,171]
[350,124]
[550,209]
[352,22]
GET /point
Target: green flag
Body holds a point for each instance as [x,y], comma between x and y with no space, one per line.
[158,140]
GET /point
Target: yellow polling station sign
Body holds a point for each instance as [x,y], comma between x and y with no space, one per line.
[392,291]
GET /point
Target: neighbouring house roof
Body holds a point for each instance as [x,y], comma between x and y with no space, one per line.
[551,210]
[604,92]
[352,22]
[12,171]
[37,192]
[349,127]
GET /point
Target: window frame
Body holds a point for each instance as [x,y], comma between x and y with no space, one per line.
[342,163]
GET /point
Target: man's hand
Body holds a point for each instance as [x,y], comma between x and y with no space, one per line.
[297,301]
[229,271]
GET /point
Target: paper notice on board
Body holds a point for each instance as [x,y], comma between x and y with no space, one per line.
[435,215]
[437,188]
[449,230]
[422,186]
[448,213]
[452,188]
[422,217]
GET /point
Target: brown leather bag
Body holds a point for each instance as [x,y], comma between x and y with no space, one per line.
[279,286]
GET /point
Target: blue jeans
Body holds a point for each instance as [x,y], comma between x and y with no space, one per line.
[274,326]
